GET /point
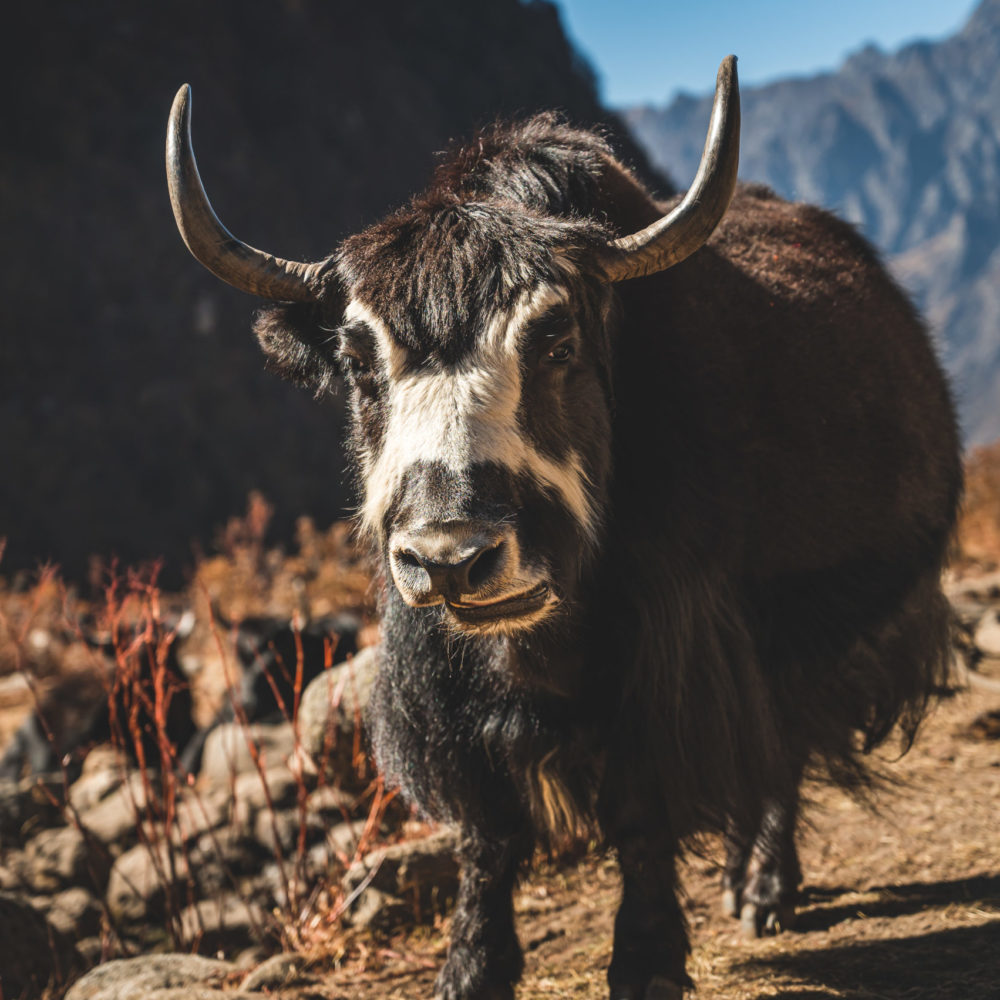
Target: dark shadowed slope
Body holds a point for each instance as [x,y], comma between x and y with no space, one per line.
[134,411]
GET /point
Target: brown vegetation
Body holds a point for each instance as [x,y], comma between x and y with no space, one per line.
[978,540]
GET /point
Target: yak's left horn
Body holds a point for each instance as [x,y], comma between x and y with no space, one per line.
[677,235]
[208,239]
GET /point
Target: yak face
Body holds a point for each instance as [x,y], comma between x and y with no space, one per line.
[473,329]
[479,381]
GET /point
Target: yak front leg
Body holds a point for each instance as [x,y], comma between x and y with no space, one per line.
[773,874]
[651,943]
[761,877]
[484,957]
[738,845]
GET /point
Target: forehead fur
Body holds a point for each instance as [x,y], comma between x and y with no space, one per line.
[504,214]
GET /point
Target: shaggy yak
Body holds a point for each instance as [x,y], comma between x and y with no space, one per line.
[662,493]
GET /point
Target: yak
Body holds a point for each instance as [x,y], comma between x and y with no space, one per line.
[661,493]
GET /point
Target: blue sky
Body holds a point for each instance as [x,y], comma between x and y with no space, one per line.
[644,51]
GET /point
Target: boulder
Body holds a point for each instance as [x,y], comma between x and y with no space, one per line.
[144,977]
[102,774]
[227,751]
[142,881]
[225,922]
[254,793]
[277,972]
[28,806]
[76,912]
[329,713]
[63,857]
[987,634]
[198,813]
[114,819]
[421,873]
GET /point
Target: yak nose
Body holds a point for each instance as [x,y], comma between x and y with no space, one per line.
[450,560]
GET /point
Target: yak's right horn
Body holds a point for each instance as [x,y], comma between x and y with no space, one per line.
[208,239]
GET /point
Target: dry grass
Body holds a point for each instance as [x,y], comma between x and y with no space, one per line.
[978,539]
[902,905]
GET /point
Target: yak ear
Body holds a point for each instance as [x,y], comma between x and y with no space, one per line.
[298,344]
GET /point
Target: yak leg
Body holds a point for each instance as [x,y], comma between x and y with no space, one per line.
[651,943]
[739,847]
[761,878]
[484,958]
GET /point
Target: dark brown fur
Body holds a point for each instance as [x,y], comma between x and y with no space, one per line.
[776,459]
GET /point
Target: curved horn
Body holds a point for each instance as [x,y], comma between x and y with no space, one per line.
[208,239]
[669,240]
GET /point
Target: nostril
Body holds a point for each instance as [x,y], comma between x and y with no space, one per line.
[484,566]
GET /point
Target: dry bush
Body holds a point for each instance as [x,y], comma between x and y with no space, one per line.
[327,573]
[134,677]
[978,536]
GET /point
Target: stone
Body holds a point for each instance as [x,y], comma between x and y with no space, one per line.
[115,819]
[277,972]
[225,922]
[379,911]
[332,802]
[102,774]
[28,806]
[232,848]
[226,753]
[148,976]
[340,842]
[91,950]
[423,873]
[9,879]
[328,717]
[33,954]
[101,758]
[142,880]
[277,880]
[76,912]
[987,634]
[198,813]
[63,857]
[253,794]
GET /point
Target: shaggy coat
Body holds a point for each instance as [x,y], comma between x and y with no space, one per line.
[752,475]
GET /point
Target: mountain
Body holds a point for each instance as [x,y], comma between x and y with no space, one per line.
[907,146]
[135,415]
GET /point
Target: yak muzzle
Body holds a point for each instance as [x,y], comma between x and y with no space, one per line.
[452,561]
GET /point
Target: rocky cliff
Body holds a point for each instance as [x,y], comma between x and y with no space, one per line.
[134,411]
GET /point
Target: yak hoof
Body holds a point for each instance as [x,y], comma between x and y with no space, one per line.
[487,993]
[765,921]
[658,988]
[730,903]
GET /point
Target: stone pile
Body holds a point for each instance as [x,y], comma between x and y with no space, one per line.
[976,602]
[277,812]
[110,866]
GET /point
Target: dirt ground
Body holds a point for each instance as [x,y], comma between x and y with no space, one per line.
[902,905]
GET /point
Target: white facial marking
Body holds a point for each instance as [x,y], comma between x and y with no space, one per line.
[465,416]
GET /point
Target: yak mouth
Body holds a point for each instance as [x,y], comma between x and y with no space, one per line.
[507,609]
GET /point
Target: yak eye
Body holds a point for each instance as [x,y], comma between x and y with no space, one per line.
[354,365]
[561,353]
